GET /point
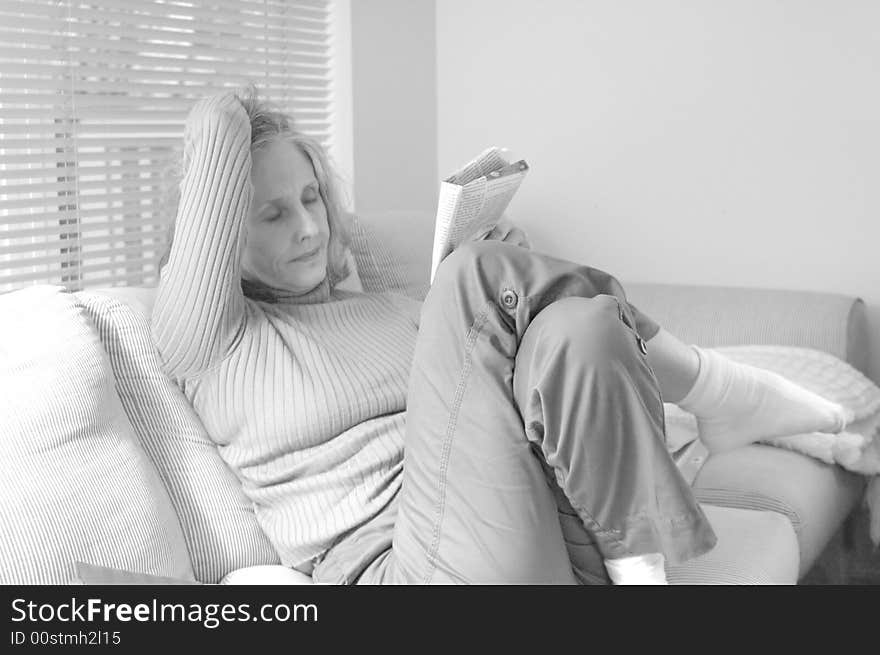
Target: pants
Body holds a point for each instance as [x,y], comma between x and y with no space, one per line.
[535,443]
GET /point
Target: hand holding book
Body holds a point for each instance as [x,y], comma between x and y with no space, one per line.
[473,199]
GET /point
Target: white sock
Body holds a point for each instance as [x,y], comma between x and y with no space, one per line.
[736,404]
[637,570]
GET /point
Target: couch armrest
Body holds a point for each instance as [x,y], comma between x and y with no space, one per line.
[727,316]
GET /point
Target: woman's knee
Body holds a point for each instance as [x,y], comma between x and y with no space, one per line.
[472,275]
[590,329]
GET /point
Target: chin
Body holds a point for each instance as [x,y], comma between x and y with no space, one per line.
[308,277]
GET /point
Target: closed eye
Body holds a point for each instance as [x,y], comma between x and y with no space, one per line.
[310,195]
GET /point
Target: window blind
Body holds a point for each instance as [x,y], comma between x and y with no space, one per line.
[93,96]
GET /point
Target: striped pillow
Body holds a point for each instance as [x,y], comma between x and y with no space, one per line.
[218,521]
[378,269]
[75,485]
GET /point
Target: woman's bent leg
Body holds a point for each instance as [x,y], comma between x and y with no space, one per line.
[590,402]
[675,364]
[476,505]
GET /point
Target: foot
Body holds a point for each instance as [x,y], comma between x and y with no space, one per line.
[737,404]
[647,569]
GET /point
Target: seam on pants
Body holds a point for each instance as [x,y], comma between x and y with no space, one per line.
[589,521]
[470,342]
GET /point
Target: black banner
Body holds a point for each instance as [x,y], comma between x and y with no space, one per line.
[134,618]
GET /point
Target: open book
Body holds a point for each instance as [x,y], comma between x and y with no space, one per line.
[267,574]
[95,574]
[473,199]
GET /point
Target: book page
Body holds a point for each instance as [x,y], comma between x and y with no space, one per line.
[487,161]
[471,211]
[455,216]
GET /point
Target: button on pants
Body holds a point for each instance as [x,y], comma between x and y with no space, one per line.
[535,438]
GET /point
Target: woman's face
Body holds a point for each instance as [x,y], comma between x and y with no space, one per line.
[287,230]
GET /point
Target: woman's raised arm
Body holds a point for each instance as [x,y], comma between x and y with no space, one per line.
[199,306]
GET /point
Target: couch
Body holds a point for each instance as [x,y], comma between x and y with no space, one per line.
[104,461]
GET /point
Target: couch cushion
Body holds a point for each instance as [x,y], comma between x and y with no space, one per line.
[75,485]
[754,547]
[218,521]
[814,496]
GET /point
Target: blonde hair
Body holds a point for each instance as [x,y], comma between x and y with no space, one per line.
[267,124]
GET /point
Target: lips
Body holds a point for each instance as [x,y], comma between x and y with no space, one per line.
[306,256]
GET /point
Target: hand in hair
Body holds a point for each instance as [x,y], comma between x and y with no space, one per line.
[224,113]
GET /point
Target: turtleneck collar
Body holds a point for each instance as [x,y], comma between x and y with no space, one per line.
[265,293]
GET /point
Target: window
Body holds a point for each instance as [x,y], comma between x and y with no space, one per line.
[93,95]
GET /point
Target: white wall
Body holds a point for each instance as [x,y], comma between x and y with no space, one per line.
[394,89]
[733,142]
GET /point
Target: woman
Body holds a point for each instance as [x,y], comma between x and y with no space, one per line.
[522,389]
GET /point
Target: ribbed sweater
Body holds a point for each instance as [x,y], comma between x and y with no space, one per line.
[305,397]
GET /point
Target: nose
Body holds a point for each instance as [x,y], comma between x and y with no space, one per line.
[305,225]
